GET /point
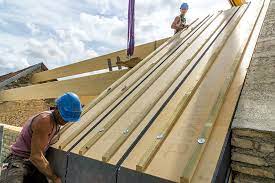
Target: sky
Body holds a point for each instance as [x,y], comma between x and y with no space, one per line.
[61,32]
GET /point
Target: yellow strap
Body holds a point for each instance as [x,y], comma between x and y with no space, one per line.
[237,2]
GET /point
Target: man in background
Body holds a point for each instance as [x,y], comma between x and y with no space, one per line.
[179,22]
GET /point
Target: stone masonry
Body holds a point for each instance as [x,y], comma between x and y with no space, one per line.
[10,133]
[17,112]
[253,128]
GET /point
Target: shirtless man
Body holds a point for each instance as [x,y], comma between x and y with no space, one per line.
[179,22]
[27,162]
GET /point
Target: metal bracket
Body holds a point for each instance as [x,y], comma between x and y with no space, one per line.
[110,65]
[118,60]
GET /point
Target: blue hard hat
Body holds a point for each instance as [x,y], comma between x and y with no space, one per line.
[69,107]
[184,6]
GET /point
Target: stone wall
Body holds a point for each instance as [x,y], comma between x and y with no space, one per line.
[253,154]
[9,135]
[16,113]
[253,134]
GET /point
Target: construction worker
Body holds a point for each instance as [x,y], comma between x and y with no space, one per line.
[27,162]
[179,22]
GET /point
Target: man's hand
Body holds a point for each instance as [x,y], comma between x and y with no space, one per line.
[181,26]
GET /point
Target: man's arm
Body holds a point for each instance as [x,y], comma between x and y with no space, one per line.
[39,141]
[176,25]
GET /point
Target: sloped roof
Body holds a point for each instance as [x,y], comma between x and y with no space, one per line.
[158,118]
[11,74]
[10,77]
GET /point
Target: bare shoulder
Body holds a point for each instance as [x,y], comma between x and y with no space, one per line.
[42,123]
[177,18]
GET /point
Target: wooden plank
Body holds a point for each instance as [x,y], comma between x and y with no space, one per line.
[65,127]
[107,99]
[139,107]
[173,154]
[160,51]
[191,166]
[86,99]
[132,71]
[201,72]
[93,64]
[116,92]
[142,89]
[211,154]
[85,86]
[130,102]
[111,151]
[72,131]
[162,162]
[188,91]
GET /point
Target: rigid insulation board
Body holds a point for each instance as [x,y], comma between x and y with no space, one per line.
[76,168]
[166,120]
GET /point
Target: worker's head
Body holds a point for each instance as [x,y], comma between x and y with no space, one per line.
[184,8]
[69,108]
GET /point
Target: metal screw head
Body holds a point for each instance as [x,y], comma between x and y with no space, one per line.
[125,131]
[160,136]
[201,140]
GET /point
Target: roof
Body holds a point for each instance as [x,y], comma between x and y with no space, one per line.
[168,117]
[10,77]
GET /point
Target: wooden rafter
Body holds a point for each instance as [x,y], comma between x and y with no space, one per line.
[94,64]
[85,86]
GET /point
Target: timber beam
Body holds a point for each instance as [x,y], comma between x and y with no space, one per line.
[94,64]
[85,86]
